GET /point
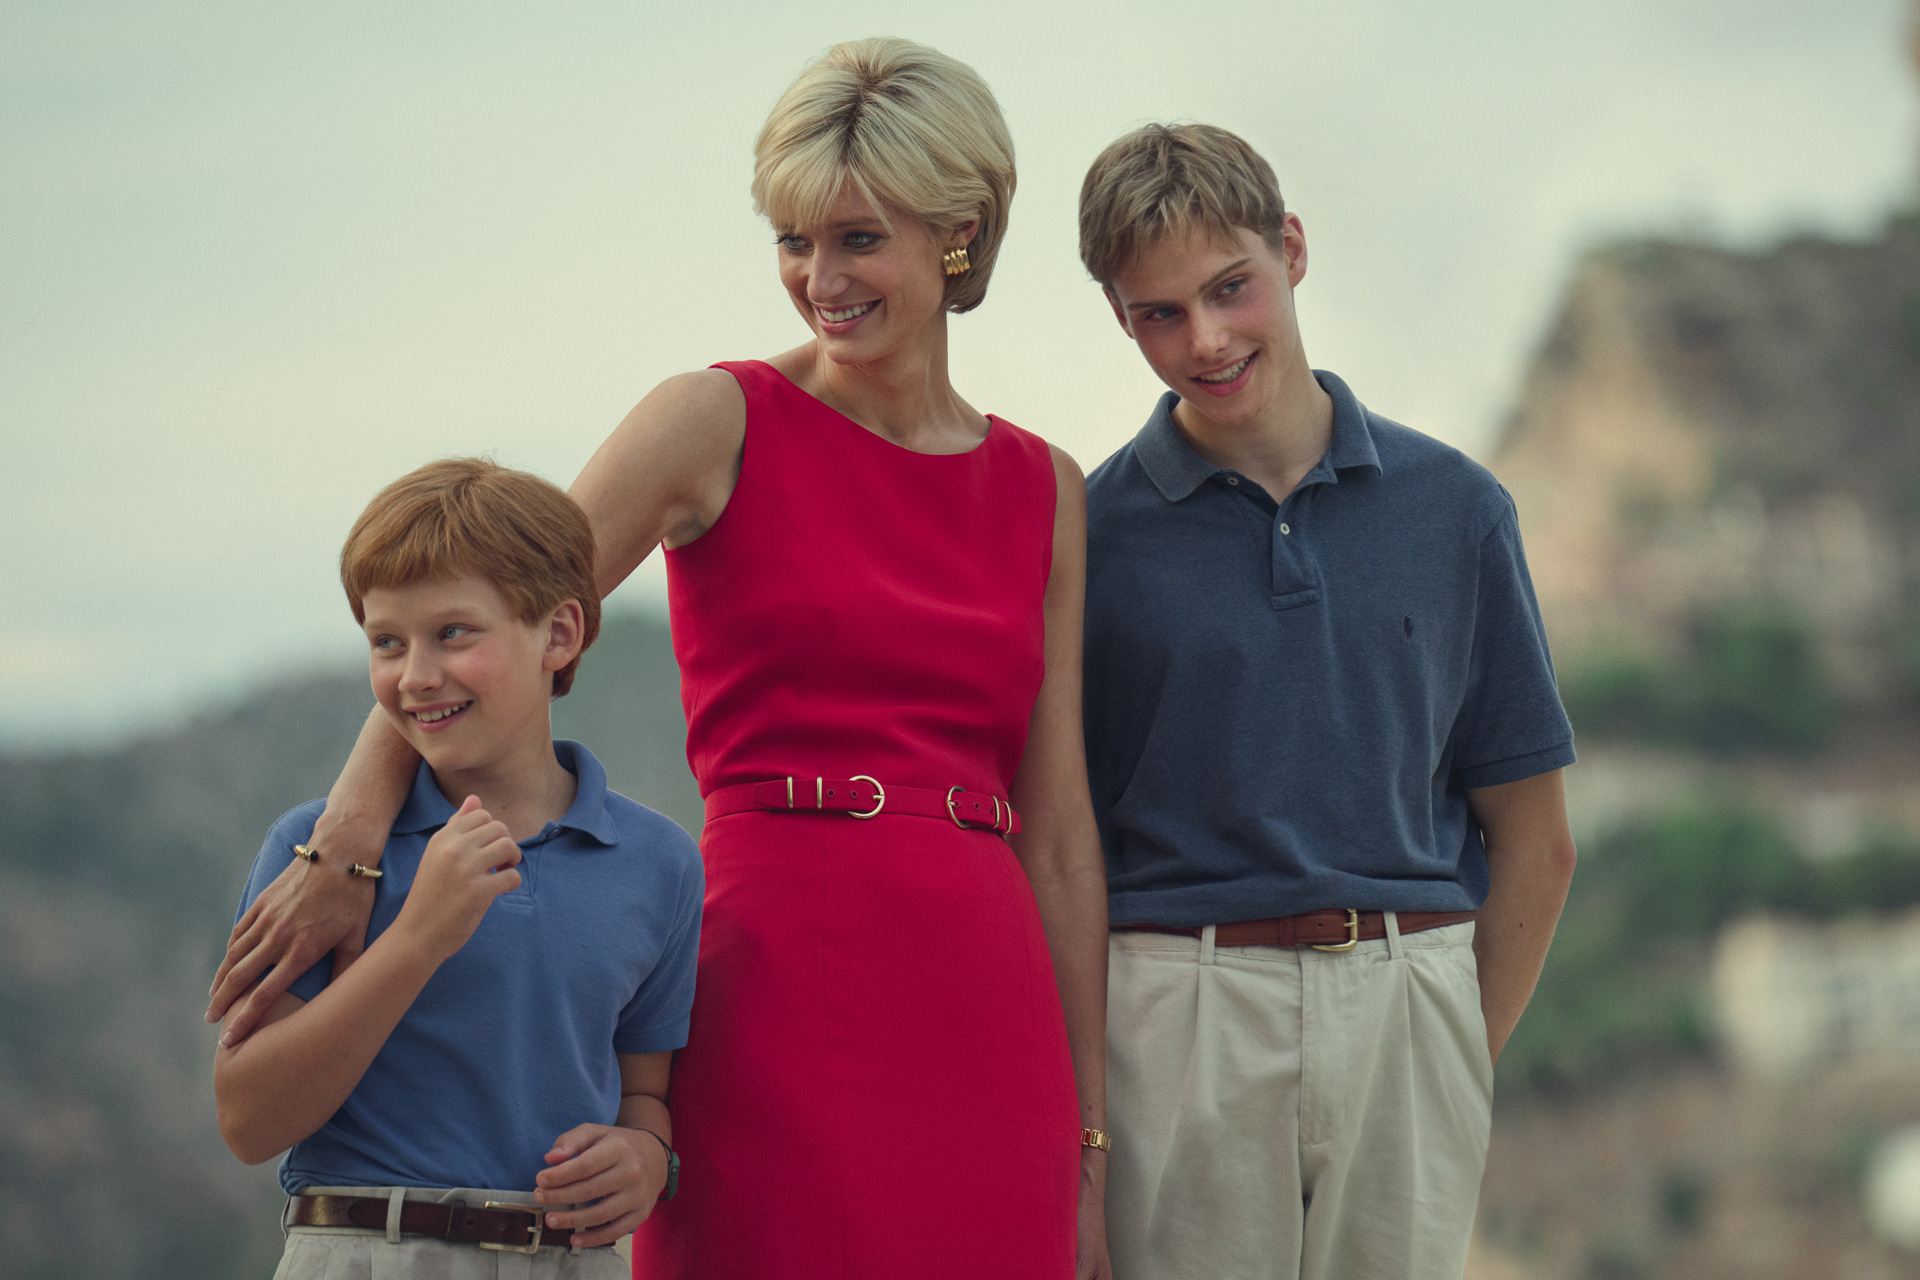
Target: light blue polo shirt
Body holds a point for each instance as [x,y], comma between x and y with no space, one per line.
[1287,702]
[511,1043]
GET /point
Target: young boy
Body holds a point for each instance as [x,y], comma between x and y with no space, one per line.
[1325,746]
[491,1075]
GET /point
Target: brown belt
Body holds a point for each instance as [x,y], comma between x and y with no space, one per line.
[511,1227]
[1329,930]
[864,797]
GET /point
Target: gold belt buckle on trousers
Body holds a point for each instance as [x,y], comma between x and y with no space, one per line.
[1353,935]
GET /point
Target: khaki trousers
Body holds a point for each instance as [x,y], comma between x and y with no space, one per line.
[1291,1114]
[347,1253]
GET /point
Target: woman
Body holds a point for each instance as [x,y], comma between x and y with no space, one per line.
[876,596]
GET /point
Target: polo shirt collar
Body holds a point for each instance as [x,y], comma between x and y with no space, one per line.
[1176,470]
[426,809]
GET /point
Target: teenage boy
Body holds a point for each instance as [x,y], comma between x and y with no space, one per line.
[1325,748]
[491,1075]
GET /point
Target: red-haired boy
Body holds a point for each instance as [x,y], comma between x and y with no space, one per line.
[491,1074]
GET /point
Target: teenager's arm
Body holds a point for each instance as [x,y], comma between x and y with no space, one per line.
[313,908]
[292,1074]
[622,1167]
[1530,859]
[1059,847]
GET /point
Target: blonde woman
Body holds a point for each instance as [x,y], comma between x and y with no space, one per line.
[895,1063]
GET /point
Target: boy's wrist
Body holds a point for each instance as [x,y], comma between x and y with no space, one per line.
[671,1187]
[413,944]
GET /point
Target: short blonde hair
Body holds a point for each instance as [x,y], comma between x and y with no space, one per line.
[1169,178]
[911,128]
[472,515]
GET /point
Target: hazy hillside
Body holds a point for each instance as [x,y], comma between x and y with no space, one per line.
[1716,459]
[119,873]
[1706,430]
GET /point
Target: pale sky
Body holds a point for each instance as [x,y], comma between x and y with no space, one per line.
[258,260]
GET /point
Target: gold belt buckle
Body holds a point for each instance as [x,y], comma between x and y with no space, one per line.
[879,796]
[1353,935]
[533,1228]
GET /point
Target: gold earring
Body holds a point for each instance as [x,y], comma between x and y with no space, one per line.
[956,263]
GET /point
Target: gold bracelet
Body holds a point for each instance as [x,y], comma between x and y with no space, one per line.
[1096,1138]
[306,851]
[371,873]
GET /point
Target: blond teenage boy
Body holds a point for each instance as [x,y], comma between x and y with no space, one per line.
[1325,748]
[489,1078]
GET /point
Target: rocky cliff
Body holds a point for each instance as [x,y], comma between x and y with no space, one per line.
[1703,427]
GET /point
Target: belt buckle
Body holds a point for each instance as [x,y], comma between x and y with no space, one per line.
[879,797]
[533,1228]
[1353,935]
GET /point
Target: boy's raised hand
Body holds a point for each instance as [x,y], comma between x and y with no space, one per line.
[468,863]
[622,1171]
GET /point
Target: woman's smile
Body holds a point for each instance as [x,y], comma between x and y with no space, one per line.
[843,319]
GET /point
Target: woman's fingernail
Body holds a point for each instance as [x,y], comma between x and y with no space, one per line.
[226,1040]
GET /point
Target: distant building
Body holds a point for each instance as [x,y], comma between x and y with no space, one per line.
[1789,995]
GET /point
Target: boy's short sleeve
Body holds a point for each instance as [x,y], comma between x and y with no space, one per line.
[656,1018]
[294,827]
[1511,724]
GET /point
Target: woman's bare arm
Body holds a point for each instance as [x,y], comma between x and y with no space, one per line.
[1060,847]
[313,908]
[665,473]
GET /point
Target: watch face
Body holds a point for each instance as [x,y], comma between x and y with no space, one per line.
[673,1175]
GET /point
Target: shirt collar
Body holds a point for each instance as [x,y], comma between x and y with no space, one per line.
[426,809]
[1176,470]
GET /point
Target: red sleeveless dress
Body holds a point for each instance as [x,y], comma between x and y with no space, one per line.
[876,1083]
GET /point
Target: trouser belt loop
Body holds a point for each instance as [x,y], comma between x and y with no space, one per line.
[396,1200]
[1394,950]
[1206,943]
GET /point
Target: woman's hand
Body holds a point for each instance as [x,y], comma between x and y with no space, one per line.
[310,909]
[621,1171]
[468,863]
[1091,1255]
[313,908]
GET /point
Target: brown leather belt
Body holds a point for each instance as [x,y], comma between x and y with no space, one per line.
[512,1228]
[1330,930]
[865,797]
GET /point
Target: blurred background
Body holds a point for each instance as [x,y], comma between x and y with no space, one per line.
[1656,263]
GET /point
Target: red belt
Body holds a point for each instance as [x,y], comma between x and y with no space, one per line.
[1330,930]
[865,797]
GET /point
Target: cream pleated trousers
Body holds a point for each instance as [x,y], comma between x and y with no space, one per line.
[1291,1114]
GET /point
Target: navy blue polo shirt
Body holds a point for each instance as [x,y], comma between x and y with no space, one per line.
[512,1042]
[1286,703]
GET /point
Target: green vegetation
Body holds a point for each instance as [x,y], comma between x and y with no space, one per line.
[1622,985]
[1748,680]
